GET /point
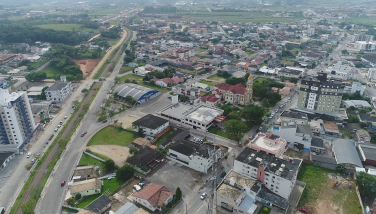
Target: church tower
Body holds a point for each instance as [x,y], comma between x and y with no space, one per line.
[250,88]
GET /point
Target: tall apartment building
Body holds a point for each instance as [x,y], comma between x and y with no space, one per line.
[361,37]
[320,94]
[16,120]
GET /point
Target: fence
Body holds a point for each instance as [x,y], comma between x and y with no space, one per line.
[93,156]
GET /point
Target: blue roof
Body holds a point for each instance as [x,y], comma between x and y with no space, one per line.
[128,208]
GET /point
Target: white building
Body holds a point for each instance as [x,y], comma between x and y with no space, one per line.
[152,125]
[195,156]
[356,103]
[371,75]
[310,31]
[366,46]
[17,124]
[60,90]
[185,45]
[278,175]
[298,135]
[354,87]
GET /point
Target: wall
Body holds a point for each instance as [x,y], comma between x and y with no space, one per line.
[144,202]
[90,192]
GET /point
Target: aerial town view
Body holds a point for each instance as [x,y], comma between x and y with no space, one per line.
[188,107]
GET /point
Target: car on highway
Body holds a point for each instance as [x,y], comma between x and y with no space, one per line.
[302,210]
[83,134]
[203,196]
[62,183]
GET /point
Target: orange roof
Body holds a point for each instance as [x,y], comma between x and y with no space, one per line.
[155,194]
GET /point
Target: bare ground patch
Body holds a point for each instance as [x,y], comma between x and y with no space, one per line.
[117,153]
[127,121]
[216,79]
[86,65]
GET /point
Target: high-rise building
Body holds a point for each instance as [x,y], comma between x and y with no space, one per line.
[320,93]
[16,120]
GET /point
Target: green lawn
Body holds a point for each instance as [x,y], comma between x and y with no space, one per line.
[261,211]
[249,53]
[68,27]
[162,138]
[139,81]
[87,200]
[200,50]
[34,65]
[112,136]
[362,20]
[52,72]
[319,188]
[112,184]
[209,83]
[125,69]
[113,41]
[87,160]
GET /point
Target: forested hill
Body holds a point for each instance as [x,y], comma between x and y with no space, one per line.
[28,34]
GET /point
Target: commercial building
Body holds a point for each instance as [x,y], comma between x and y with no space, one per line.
[60,90]
[153,196]
[354,87]
[140,93]
[151,125]
[365,46]
[361,37]
[146,160]
[193,155]
[298,135]
[356,103]
[293,116]
[291,72]
[320,94]
[17,124]
[276,174]
[236,94]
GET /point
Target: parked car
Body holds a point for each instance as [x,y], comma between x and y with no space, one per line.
[33,161]
[302,210]
[58,126]
[63,183]
[203,196]
[276,111]
[61,122]
[65,117]
[56,129]
[52,136]
[104,121]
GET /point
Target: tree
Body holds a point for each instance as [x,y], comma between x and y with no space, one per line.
[133,150]
[293,80]
[36,76]
[125,172]
[353,118]
[358,56]
[253,114]
[235,128]
[140,131]
[366,184]
[43,93]
[29,206]
[178,194]
[234,115]
[173,26]
[109,164]
[70,202]
[84,90]
[345,52]
[363,125]
[341,168]
[77,196]
[265,103]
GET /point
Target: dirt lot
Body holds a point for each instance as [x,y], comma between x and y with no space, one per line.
[216,79]
[86,65]
[127,121]
[117,153]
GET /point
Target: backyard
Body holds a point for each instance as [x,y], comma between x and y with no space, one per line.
[320,196]
[118,137]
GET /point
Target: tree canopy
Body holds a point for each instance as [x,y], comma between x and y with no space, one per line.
[253,114]
[235,128]
[366,184]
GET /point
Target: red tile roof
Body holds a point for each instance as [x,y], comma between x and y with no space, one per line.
[210,98]
[177,79]
[168,80]
[155,194]
[236,89]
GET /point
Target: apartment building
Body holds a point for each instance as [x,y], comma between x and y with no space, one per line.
[16,122]
[276,174]
[60,90]
[320,94]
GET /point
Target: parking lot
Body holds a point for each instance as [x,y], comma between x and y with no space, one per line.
[173,175]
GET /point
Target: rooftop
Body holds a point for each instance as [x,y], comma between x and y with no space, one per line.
[274,199]
[317,142]
[86,185]
[85,171]
[4,156]
[155,194]
[6,97]
[98,204]
[331,125]
[294,114]
[345,152]
[189,148]
[203,114]
[57,86]
[303,129]
[269,143]
[283,168]
[143,157]
[368,151]
[175,110]
[150,121]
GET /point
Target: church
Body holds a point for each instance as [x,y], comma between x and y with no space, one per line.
[235,94]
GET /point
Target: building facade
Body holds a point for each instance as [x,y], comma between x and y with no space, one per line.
[151,125]
[60,90]
[320,94]
[236,94]
[16,122]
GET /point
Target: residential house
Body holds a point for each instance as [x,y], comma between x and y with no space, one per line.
[331,128]
[146,160]
[151,125]
[86,172]
[165,82]
[367,153]
[188,91]
[153,196]
[362,136]
[195,156]
[100,205]
[140,142]
[211,100]
[86,187]
[60,90]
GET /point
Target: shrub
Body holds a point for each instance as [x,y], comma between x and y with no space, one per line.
[77,196]
[70,202]
[265,209]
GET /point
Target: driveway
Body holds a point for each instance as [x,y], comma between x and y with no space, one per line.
[173,175]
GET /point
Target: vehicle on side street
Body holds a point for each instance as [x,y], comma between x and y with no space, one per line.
[203,196]
[62,183]
[104,121]
[302,210]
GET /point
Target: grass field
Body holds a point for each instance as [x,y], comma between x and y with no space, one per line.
[87,200]
[112,184]
[118,137]
[52,72]
[139,81]
[68,27]
[125,69]
[319,193]
[355,20]
[87,160]
[218,131]
[209,83]
[200,50]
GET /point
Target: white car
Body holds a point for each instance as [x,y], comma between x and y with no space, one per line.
[203,196]
[65,117]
